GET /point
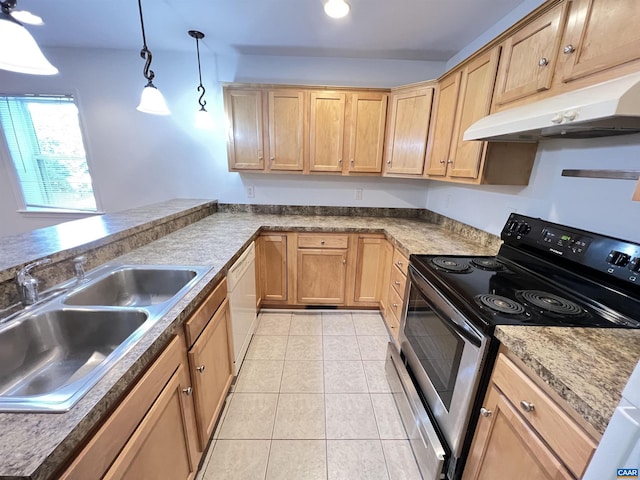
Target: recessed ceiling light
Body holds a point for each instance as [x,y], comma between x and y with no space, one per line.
[336,8]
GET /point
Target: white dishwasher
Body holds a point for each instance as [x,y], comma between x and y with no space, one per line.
[241,281]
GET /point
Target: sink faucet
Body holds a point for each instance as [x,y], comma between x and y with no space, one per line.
[28,285]
[79,263]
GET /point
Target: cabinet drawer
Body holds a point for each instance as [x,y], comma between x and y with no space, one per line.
[398,280]
[400,261]
[395,303]
[195,324]
[561,433]
[323,241]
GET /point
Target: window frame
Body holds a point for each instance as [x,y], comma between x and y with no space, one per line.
[14,180]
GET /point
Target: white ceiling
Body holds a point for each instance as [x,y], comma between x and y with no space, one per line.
[397,29]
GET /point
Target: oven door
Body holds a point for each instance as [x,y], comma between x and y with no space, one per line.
[446,353]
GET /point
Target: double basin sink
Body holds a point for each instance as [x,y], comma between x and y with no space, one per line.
[52,353]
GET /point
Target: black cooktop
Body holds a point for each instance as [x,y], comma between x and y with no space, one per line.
[544,274]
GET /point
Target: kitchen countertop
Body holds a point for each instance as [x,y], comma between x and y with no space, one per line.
[35,445]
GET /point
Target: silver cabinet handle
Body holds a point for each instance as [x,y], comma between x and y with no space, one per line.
[388,162]
[339,161]
[527,407]
[344,261]
[399,264]
[443,162]
[485,413]
[353,162]
[396,282]
[569,49]
[321,242]
[395,305]
[449,162]
[543,62]
[200,368]
[187,391]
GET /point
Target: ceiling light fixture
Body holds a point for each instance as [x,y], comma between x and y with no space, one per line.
[337,8]
[151,100]
[203,119]
[20,52]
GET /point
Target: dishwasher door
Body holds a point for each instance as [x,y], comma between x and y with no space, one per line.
[241,281]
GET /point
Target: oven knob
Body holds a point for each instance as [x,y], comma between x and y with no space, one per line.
[634,266]
[524,228]
[618,259]
[513,226]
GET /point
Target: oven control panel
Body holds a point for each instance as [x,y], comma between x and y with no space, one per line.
[612,256]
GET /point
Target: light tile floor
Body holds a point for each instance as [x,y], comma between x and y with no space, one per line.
[312,402]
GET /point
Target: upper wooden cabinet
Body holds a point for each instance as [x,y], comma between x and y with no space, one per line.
[245,144]
[439,146]
[600,34]
[326,131]
[408,126]
[529,57]
[366,120]
[286,109]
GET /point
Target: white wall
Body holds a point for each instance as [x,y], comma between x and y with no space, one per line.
[137,159]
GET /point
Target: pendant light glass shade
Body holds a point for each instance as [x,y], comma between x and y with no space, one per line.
[152,101]
[336,8]
[20,52]
[204,121]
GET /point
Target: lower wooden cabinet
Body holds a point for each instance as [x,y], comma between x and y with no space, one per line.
[523,433]
[321,268]
[272,268]
[372,256]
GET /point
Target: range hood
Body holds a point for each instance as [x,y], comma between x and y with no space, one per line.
[602,110]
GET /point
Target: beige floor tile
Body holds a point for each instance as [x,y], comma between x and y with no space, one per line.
[260,376]
[306,324]
[250,416]
[344,377]
[355,460]
[302,376]
[341,347]
[205,463]
[300,416]
[374,371]
[238,460]
[387,417]
[373,347]
[223,415]
[401,463]
[267,347]
[304,347]
[297,460]
[350,416]
[337,324]
[274,324]
[369,324]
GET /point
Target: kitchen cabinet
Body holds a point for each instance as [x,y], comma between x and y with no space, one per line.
[245,143]
[287,112]
[321,269]
[474,162]
[600,35]
[326,131]
[522,429]
[407,129]
[529,56]
[210,360]
[273,268]
[366,121]
[395,296]
[152,432]
[371,259]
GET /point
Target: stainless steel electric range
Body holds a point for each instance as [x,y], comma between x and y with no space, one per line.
[544,274]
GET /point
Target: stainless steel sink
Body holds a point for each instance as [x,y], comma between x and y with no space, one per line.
[133,287]
[52,353]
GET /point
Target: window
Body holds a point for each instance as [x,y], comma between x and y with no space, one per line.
[45,144]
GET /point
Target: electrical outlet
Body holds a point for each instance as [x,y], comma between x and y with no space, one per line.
[251,191]
[358,194]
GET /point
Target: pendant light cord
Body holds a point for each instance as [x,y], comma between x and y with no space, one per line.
[201,100]
[145,53]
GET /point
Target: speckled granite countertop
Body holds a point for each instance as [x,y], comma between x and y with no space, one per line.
[587,367]
[34,445]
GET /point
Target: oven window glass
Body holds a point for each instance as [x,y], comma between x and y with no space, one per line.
[438,348]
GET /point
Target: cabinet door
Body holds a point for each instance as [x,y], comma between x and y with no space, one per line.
[408,129]
[326,136]
[601,34]
[245,145]
[505,446]
[370,266]
[273,267]
[442,128]
[529,56]
[476,91]
[366,132]
[321,276]
[164,445]
[286,130]
[211,367]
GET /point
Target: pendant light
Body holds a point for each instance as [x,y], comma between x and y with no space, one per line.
[203,119]
[151,100]
[337,8]
[20,52]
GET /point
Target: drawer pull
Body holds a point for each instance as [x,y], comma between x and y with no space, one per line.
[399,264]
[527,407]
[395,305]
[396,282]
[187,391]
[200,368]
[485,413]
[321,242]
[569,49]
